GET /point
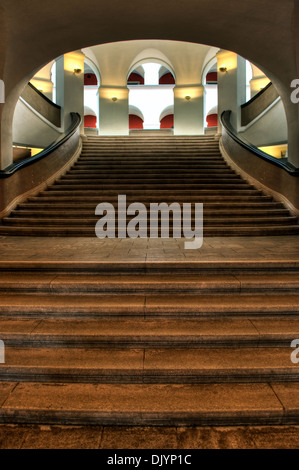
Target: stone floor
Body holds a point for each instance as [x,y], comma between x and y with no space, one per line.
[149,250]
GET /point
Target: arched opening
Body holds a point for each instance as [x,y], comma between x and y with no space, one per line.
[136,77]
[91,104]
[151,84]
[136,118]
[210,81]
[167,118]
[151,67]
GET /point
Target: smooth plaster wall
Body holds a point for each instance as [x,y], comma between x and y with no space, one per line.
[269,129]
[30,129]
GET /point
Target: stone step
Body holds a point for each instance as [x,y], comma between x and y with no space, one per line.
[149,153]
[202,165]
[199,190]
[150,404]
[147,306]
[152,366]
[148,178]
[210,203]
[77,212]
[205,267]
[201,283]
[83,231]
[74,175]
[151,334]
[155,163]
[209,222]
[147,181]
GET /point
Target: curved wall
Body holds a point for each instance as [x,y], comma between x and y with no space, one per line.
[31,129]
[270,128]
[281,184]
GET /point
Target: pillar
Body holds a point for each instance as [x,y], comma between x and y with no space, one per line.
[70,86]
[114,110]
[189,110]
[231,86]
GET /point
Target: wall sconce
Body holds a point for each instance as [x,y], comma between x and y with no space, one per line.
[223,68]
[187,97]
[77,71]
[114,98]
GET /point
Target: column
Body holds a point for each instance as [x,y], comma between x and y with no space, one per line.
[189,110]
[114,110]
[231,86]
[70,86]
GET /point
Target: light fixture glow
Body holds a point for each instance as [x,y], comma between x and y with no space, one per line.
[187,97]
[77,71]
[223,68]
[114,98]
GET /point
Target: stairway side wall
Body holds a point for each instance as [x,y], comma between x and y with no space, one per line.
[35,177]
[279,182]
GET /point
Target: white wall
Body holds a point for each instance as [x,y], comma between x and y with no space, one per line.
[269,129]
[151,100]
[31,129]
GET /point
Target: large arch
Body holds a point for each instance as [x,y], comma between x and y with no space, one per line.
[81,27]
[151,56]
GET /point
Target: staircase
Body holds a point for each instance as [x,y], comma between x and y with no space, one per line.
[149,344]
[144,342]
[155,169]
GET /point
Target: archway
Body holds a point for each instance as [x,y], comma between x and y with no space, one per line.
[150,81]
[113,27]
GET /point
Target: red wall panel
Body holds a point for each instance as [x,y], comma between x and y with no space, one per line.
[167,79]
[212,77]
[212,120]
[90,121]
[135,122]
[135,77]
[90,79]
[167,122]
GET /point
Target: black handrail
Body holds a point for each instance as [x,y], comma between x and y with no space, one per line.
[11,169]
[225,120]
[44,97]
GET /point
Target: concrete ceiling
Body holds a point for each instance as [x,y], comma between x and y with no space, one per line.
[117,60]
[36,32]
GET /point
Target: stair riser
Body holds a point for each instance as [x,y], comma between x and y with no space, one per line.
[176,419]
[158,377]
[208,232]
[145,343]
[91,222]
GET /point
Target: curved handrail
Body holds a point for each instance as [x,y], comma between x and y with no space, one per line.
[44,97]
[225,120]
[14,167]
[253,108]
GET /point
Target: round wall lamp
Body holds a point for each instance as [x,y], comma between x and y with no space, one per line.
[114,98]
[187,97]
[77,71]
[223,68]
